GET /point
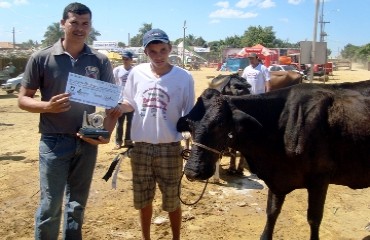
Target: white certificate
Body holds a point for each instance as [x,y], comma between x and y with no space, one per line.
[92,92]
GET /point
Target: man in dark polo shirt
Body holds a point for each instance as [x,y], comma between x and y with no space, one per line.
[67,159]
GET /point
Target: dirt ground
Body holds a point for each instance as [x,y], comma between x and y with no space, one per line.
[231,209]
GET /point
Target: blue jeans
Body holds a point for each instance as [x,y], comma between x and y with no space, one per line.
[66,168]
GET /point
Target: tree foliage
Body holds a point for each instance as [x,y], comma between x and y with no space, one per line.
[137,40]
[53,33]
[259,35]
[349,51]
[252,36]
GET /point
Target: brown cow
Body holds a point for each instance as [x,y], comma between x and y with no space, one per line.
[282,79]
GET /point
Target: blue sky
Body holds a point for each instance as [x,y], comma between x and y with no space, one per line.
[292,20]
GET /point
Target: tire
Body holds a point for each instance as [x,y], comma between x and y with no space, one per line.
[9,91]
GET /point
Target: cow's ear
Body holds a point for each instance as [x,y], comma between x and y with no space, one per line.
[245,123]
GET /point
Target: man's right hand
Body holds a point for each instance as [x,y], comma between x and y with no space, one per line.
[59,103]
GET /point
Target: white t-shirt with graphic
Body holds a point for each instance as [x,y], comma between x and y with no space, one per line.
[158,103]
[256,77]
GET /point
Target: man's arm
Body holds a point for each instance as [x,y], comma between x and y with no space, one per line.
[58,103]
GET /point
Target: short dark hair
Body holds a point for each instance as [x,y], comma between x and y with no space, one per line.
[77,8]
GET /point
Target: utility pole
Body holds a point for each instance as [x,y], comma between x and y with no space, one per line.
[13,37]
[322,24]
[313,50]
[183,47]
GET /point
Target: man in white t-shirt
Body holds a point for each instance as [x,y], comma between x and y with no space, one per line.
[120,74]
[257,75]
[159,94]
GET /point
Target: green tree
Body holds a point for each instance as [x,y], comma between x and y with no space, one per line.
[216,48]
[363,53]
[200,42]
[259,35]
[234,42]
[121,44]
[54,32]
[349,51]
[137,40]
[29,44]
[92,36]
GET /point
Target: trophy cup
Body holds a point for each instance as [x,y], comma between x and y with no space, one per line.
[92,125]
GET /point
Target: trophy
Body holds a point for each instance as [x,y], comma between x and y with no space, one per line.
[92,125]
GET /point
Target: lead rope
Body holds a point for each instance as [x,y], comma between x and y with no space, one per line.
[185,155]
[196,201]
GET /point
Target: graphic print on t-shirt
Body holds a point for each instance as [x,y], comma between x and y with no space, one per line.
[155,101]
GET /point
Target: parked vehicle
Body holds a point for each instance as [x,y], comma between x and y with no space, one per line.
[286,68]
[12,84]
[4,76]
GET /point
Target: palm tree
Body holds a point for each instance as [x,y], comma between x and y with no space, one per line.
[54,32]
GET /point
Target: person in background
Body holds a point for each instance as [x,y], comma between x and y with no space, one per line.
[120,74]
[159,94]
[11,69]
[66,159]
[257,75]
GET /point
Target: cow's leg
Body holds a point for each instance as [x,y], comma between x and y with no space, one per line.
[315,211]
[216,176]
[242,163]
[232,167]
[274,205]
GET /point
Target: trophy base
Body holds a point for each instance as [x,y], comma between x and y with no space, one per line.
[94,132]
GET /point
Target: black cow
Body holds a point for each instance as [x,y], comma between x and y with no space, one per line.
[231,84]
[235,85]
[307,136]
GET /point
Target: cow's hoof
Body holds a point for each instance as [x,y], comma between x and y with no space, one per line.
[216,180]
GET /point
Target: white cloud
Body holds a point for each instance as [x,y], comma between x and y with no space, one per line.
[246,3]
[267,4]
[20,2]
[5,5]
[295,2]
[230,13]
[222,4]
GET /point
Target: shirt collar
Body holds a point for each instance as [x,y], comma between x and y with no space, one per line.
[59,50]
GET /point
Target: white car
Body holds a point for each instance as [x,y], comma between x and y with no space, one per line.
[286,68]
[12,84]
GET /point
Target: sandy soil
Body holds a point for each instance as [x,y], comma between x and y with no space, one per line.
[231,209]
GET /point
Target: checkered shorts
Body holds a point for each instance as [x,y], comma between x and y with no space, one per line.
[156,163]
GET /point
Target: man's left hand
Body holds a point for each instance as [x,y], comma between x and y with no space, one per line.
[94,141]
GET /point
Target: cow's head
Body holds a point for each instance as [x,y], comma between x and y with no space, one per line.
[197,112]
[231,84]
[217,129]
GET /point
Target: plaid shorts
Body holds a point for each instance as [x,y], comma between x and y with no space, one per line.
[156,163]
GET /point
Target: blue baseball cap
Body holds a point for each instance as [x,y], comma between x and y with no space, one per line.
[155,35]
[127,54]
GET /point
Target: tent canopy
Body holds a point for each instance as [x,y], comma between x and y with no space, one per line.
[259,49]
